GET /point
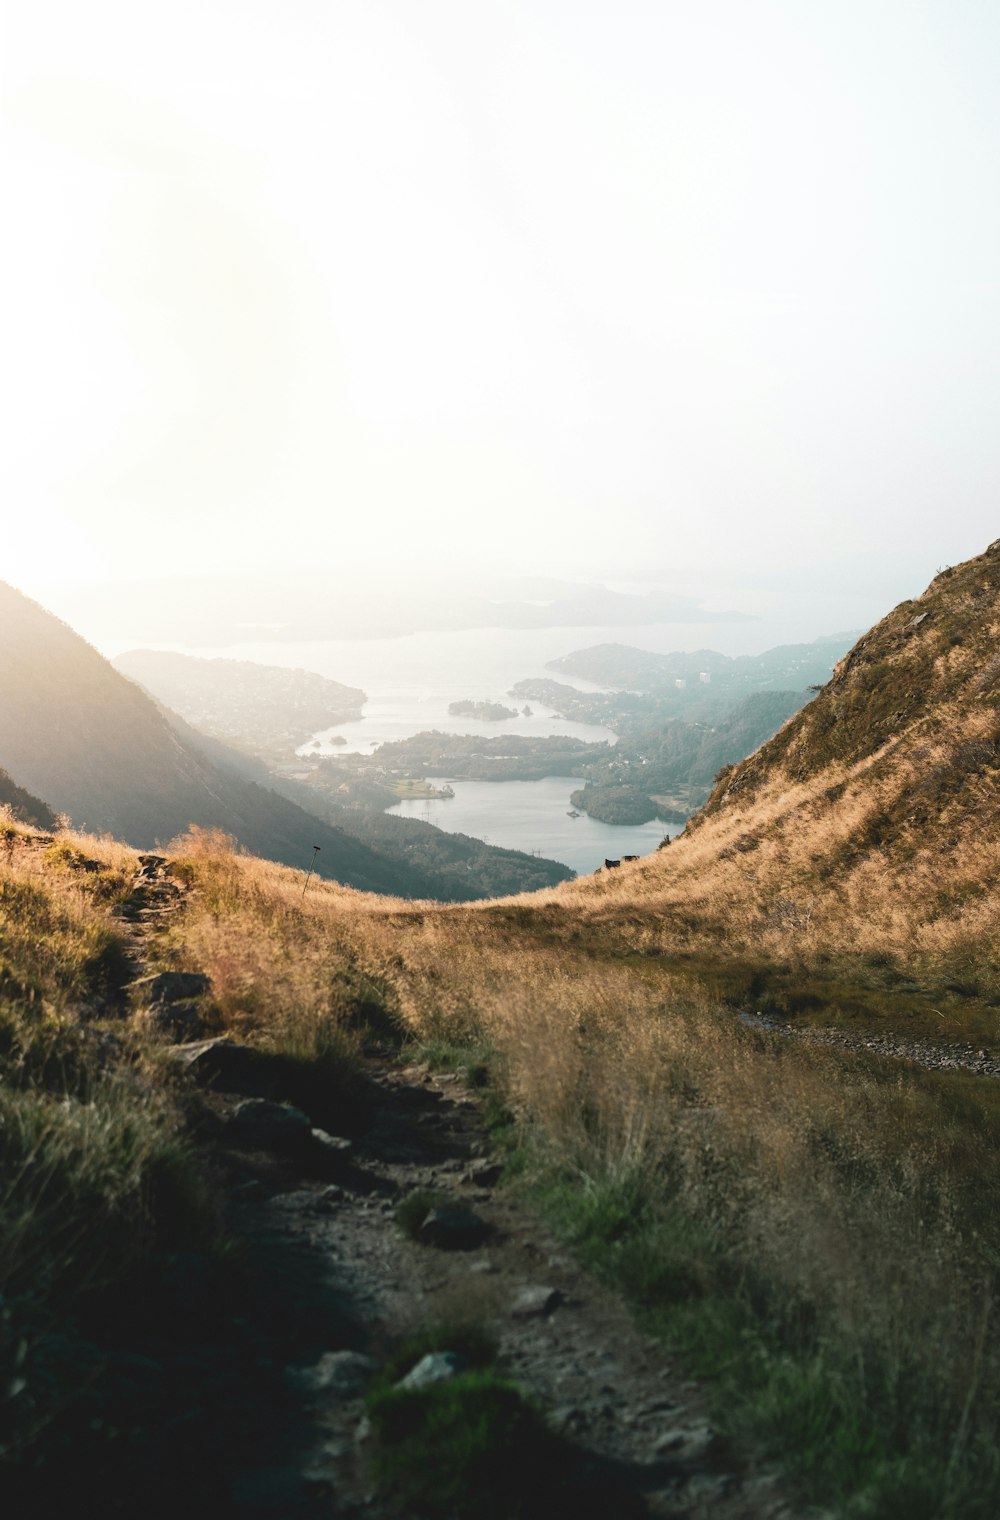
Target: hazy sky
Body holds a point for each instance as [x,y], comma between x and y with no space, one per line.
[705,289]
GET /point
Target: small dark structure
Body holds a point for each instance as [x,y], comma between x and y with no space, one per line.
[610,865]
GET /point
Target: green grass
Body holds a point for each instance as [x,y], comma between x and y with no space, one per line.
[474,1062]
[470,1446]
[870,994]
[859,1429]
[414,1208]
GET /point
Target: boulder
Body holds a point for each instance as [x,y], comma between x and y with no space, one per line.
[690,1442]
[337,1145]
[535,1302]
[221,1063]
[435,1367]
[169,987]
[345,1372]
[452,1227]
[269,1126]
[172,1021]
[485,1174]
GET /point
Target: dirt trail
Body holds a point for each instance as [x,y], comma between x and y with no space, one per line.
[926,1053]
[156,894]
[637,1424]
[275,1388]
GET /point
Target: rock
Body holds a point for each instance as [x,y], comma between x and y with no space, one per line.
[486,1175]
[345,1372]
[435,1367]
[169,987]
[335,1143]
[221,1063]
[179,1021]
[687,1441]
[567,1417]
[452,1227]
[535,1302]
[483,1268]
[272,1126]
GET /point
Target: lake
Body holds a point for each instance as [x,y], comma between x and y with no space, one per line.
[532,816]
[410,681]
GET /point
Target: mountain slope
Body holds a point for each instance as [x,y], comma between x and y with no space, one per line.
[867,831]
[23,806]
[75,731]
[264,708]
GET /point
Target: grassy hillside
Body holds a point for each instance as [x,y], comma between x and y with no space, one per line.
[855,857]
[23,806]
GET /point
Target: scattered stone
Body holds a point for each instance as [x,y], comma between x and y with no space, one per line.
[345,1372]
[486,1175]
[566,1417]
[452,1227]
[483,1268]
[690,1441]
[169,987]
[220,1063]
[435,1367]
[337,1143]
[706,1487]
[271,1126]
[180,1021]
[535,1302]
[363,1430]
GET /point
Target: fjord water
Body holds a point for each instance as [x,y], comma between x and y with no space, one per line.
[533,816]
[410,681]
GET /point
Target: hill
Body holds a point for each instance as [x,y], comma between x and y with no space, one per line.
[23,806]
[76,731]
[862,842]
[788,667]
[264,708]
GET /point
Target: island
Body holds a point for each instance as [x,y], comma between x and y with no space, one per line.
[623,805]
[486,712]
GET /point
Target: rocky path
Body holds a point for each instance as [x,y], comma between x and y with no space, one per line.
[155,895]
[636,1425]
[927,1053]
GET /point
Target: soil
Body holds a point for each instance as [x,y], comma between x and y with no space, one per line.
[632,1419]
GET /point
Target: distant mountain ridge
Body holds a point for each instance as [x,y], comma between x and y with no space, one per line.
[787,667]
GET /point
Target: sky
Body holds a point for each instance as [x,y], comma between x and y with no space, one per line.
[702,294]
